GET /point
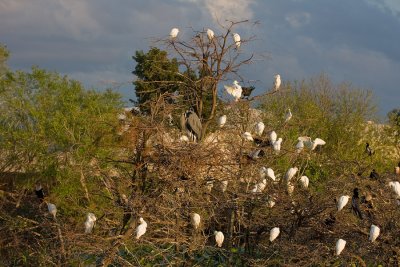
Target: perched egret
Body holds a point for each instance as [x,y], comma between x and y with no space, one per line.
[342,202]
[39,192]
[304,181]
[317,142]
[210,34]
[219,238]
[235,90]
[277,144]
[395,186]
[258,188]
[311,144]
[355,203]
[184,138]
[89,223]
[259,128]
[277,82]
[236,39]
[247,136]
[288,116]
[52,209]
[273,234]
[195,220]
[273,136]
[299,146]
[271,174]
[374,233]
[141,229]
[340,244]
[290,174]
[222,121]
[191,124]
[174,33]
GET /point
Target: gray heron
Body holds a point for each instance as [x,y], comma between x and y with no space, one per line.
[191,124]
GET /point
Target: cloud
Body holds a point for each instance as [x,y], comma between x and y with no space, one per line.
[229,10]
[392,6]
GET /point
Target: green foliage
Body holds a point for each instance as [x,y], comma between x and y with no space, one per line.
[156,75]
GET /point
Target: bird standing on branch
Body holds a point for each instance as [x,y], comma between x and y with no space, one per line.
[246,91]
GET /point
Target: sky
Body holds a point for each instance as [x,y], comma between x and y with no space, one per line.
[93,41]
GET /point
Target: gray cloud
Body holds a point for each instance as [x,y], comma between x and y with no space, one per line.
[93,41]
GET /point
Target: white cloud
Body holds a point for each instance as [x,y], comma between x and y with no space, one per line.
[393,6]
[221,10]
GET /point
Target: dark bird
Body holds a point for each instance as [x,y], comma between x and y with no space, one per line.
[191,124]
[355,203]
[246,91]
[261,142]
[330,221]
[39,192]
[374,175]
[369,150]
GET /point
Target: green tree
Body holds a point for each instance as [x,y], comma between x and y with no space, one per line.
[156,75]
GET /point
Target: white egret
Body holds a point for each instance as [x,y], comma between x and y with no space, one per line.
[52,209]
[258,188]
[263,172]
[343,200]
[247,136]
[259,128]
[141,229]
[195,220]
[210,34]
[219,238]
[267,172]
[222,121]
[174,33]
[290,174]
[236,39]
[273,136]
[277,82]
[395,186]
[273,234]
[340,244]
[277,144]
[374,233]
[235,90]
[299,146]
[304,181]
[288,116]
[89,223]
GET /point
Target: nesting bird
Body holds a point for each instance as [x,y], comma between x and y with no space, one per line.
[274,233]
[304,181]
[340,244]
[374,232]
[374,175]
[259,187]
[355,203]
[89,223]
[290,174]
[343,200]
[235,90]
[52,209]
[247,136]
[246,91]
[277,82]
[222,121]
[219,238]
[395,186]
[174,33]
[277,144]
[272,137]
[299,146]
[236,39]
[259,128]
[191,124]
[368,149]
[267,172]
[311,144]
[39,192]
[141,229]
[195,219]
